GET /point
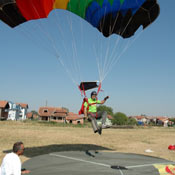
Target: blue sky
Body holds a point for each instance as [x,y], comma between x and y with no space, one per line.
[141,82]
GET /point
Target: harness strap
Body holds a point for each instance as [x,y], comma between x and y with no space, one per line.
[99,88]
[93,114]
[82,91]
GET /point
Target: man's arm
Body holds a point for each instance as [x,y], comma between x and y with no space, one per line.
[103,101]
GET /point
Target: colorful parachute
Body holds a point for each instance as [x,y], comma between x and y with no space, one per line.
[122,17]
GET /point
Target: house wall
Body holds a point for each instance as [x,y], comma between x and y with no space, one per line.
[12,115]
[44,118]
[14,111]
[35,116]
[75,122]
[3,114]
[81,121]
[23,113]
[58,119]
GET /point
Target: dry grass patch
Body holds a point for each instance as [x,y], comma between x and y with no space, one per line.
[42,138]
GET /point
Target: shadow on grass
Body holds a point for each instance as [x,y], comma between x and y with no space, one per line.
[36,151]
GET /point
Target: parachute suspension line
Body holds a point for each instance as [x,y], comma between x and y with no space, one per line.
[128,45]
[118,39]
[135,38]
[114,23]
[99,56]
[81,26]
[101,60]
[50,38]
[97,61]
[64,66]
[45,31]
[83,90]
[65,50]
[112,59]
[106,52]
[74,46]
[27,33]
[116,60]
[106,62]
[54,47]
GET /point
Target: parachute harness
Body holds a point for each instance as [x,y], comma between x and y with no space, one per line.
[85,99]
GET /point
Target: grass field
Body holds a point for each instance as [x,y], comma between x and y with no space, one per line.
[43,138]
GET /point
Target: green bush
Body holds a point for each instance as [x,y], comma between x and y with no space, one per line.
[120,119]
[132,121]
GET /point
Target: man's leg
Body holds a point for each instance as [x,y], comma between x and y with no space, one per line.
[103,115]
[93,122]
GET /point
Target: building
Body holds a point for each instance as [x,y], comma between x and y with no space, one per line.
[23,110]
[162,121]
[13,111]
[74,118]
[53,114]
[141,120]
[4,107]
[32,115]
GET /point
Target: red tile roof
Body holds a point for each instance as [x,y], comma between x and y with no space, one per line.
[52,111]
[162,118]
[139,117]
[23,105]
[3,104]
[29,115]
[73,116]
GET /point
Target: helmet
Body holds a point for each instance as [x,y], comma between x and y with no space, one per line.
[93,93]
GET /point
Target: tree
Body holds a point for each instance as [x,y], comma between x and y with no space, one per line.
[120,119]
[109,110]
[35,115]
[34,112]
[172,120]
[132,121]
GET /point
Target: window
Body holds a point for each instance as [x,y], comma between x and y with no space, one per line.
[45,110]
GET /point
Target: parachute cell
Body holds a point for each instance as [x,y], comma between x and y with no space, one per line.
[122,17]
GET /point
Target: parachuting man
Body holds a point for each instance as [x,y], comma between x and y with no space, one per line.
[90,112]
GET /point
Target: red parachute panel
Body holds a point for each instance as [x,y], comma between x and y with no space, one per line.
[35,9]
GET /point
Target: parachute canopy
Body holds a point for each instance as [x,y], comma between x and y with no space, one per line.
[122,17]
